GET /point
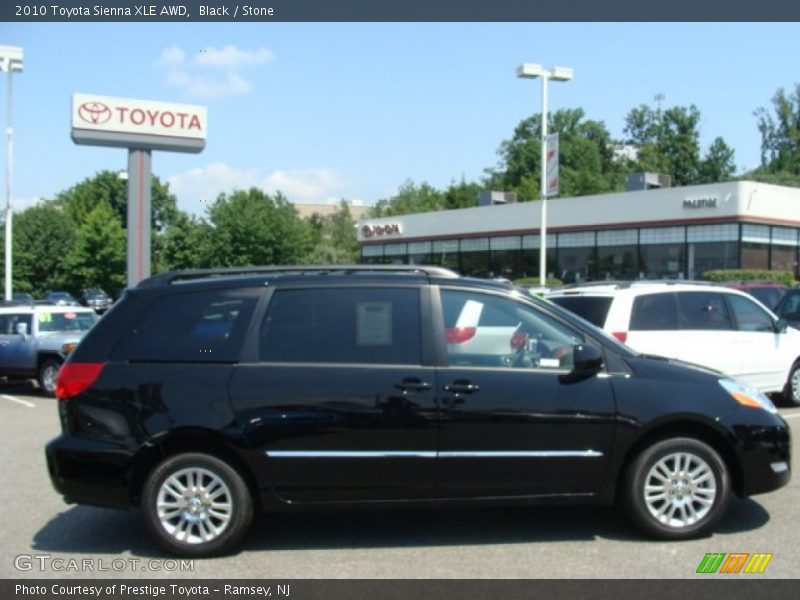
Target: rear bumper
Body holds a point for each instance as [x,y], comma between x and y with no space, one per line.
[90,472]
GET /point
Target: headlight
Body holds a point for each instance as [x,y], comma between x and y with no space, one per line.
[747,395]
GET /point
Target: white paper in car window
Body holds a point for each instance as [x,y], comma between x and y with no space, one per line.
[373,323]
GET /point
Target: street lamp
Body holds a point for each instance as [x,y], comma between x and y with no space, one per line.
[10,62]
[528,71]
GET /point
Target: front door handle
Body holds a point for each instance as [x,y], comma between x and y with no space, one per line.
[412,384]
[462,387]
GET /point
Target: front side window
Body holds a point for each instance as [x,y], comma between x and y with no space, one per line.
[204,326]
[750,316]
[351,326]
[484,330]
[703,310]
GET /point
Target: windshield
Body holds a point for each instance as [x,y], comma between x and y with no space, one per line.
[68,321]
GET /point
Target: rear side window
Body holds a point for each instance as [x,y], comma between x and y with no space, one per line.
[355,325]
[593,309]
[703,310]
[190,327]
[654,312]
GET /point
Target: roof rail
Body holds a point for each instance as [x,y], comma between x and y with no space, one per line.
[190,274]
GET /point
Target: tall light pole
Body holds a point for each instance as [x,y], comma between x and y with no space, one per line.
[10,62]
[528,71]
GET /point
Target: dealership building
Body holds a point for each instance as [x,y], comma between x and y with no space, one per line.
[674,233]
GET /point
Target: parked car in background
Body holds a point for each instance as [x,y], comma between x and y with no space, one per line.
[789,307]
[22,297]
[769,293]
[714,326]
[60,299]
[205,396]
[35,340]
[97,299]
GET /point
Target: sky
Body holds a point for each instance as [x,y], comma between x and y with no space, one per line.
[340,110]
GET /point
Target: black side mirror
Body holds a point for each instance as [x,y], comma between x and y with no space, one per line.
[781,325]
[587,360]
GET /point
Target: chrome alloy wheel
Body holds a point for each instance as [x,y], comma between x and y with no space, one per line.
[194,505]
[794,386]
[680,490]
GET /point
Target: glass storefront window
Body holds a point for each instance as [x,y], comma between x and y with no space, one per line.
[663,261]
[710,256]
[617,262]
[576,264]
[755,256]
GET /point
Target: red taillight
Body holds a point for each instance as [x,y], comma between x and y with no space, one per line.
[622,336]
[73,378]
[459,335]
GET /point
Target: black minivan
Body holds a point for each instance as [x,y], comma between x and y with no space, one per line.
[204,395]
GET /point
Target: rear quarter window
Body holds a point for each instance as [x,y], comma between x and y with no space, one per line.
[654,312]
[592,308]
[206,326]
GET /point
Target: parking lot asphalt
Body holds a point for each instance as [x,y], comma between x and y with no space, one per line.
[532,542]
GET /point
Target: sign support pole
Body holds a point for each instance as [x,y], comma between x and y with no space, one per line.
[139,211]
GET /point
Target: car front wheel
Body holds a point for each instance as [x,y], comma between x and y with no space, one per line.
[677,489]
[197,505]
[48,371]
[792,391]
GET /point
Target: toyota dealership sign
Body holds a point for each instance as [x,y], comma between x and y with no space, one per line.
[124,122]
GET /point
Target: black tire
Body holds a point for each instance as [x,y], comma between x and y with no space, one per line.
[47,375]
[181,533]
[686,510]
[791,393]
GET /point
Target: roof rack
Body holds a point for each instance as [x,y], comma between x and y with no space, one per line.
[629,283]
[193,274]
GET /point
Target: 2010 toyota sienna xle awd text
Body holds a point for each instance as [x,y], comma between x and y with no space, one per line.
[203,396]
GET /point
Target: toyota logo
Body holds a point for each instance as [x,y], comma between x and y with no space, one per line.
[95,113]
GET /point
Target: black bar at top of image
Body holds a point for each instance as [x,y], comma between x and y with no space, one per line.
[398,10]
[732,588]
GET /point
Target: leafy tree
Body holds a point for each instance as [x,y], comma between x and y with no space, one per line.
[410,198]
[334,237]
[718,164]
[187,243]
[587,164]
[254,228]
[97,258]
[780,133]
[43,234]
[462,194]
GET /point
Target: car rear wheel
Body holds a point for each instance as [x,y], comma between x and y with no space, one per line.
[677,489]
[792,391]
[197,505]
[48,371]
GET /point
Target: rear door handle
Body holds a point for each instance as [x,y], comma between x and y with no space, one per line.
[462,387]
[412,384]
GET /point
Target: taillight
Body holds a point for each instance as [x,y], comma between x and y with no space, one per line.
[73,378]
[459,335]
[622,336]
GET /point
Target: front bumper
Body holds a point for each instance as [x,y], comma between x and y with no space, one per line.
[92,472]
[764,455]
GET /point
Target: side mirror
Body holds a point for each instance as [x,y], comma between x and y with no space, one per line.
[22,329]
[781,325]
[587,360]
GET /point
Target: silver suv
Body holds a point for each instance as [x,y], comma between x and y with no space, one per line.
[35,340]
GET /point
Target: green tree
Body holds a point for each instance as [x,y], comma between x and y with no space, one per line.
[718,164]
[97,258]
[410,198]
[780,133]
[334,237]
[463,194]
[254,228]
[187,243]
[587,164]
[43,234]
